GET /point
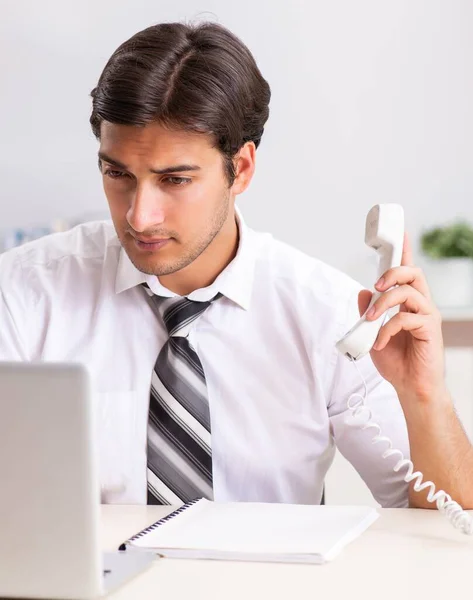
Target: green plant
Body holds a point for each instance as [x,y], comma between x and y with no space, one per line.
[451,241]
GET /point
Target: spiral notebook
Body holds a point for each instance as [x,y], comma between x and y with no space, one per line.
[254,531]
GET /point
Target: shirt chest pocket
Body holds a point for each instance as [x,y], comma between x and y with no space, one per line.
[116,425]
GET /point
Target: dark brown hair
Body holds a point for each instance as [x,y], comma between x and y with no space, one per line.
[198,78]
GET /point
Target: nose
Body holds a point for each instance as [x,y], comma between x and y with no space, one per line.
[146,210]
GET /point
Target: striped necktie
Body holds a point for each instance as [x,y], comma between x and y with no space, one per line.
[179,442]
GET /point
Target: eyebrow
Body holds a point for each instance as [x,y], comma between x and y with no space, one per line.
[165,171]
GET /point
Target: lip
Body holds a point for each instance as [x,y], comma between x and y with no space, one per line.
[151,245]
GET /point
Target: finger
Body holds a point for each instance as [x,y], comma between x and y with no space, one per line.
[412,299]
[407,260]
[412,276]
[364,299]
[422,327]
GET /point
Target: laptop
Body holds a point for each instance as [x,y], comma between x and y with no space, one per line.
[49,488]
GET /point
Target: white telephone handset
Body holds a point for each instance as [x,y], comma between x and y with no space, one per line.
[384,233]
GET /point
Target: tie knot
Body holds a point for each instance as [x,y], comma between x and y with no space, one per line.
[178,313]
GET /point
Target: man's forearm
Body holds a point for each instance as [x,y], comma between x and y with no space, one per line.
[440,450]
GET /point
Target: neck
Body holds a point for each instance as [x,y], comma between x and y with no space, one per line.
[203,271]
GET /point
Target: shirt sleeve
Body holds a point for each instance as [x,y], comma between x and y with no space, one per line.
[13,311]
[387,487]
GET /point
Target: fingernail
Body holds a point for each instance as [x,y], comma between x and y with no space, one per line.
[380,283]
[371,312]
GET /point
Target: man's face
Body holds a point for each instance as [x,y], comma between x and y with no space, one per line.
[164,219]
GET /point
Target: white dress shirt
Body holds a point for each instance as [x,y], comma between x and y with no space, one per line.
[277,386]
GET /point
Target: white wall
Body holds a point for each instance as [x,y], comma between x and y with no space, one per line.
[372,102]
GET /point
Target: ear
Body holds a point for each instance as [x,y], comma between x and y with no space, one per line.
[244,167]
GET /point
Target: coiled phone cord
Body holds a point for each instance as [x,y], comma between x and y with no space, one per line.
[362,415]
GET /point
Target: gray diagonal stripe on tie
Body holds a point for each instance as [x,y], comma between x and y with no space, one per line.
[178,317]
[170,476]
[176,313]
[171,308]
[188,355]
[157,397]
[174,470]
[194,378]
[174,381]
[161,499]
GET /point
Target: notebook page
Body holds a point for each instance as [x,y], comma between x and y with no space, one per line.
[261,528]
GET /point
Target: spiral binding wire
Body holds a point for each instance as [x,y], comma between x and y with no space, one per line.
[459,518]
[154,526]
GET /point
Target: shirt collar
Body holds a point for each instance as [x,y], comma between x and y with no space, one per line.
[235,282]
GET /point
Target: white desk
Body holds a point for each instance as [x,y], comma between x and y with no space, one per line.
[405,554]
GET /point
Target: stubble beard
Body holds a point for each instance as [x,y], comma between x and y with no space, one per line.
[190,254]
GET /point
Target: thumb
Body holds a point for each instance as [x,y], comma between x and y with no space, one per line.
[364,298]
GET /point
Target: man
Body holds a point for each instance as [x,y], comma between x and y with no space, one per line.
[212,346]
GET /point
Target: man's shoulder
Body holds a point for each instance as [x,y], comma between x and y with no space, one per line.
[318,297]
[87,243]
[300,271]
[87,240]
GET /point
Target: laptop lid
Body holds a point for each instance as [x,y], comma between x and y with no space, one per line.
[50,496]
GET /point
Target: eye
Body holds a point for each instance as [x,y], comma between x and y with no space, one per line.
[114,174]
[178,181]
